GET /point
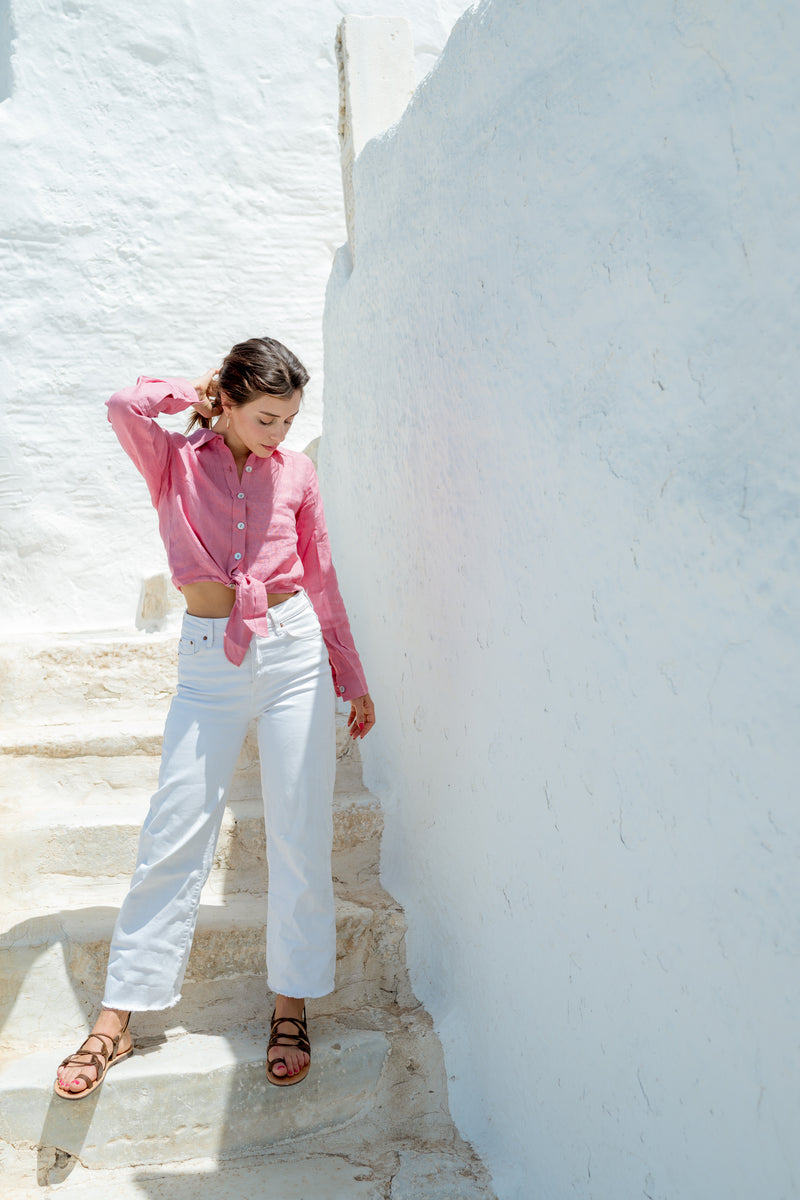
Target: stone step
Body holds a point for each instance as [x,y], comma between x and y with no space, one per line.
[52,830]
[193,1096]
[53,963]
[128,734]
[401,1171]
[71,771]
[376,1094]
[69,694]
[130,731]
[303,1177]
[85,673]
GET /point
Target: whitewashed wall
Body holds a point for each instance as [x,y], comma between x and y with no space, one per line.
[561,457]
[171,184]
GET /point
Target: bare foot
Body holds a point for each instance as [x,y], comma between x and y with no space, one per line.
[109,1023]
[292,1059]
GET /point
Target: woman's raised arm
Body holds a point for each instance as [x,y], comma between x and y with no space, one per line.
[133,412]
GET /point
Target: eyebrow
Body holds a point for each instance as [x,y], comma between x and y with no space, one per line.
[290,416]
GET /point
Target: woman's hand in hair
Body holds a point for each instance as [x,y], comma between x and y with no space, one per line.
[362,716]
[207,390]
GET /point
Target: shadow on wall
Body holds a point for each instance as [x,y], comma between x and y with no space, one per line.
[7,35]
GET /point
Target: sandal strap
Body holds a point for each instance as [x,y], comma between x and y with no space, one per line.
[291,1041]
[99,1059]
[95,1060]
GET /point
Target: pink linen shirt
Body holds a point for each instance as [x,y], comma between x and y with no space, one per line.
[263,533]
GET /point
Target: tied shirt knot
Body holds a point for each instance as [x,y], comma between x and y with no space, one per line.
[248,616]
[252,600]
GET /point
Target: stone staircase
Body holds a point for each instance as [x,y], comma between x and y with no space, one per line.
[80,738]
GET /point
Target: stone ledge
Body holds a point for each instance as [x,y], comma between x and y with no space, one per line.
[300,1177]
[194,1096]
[124,729]
[52,966]
[50,837]
[407,1112]
[402,1170]
[85,672]
[129,734]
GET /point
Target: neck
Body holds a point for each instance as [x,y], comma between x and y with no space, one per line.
[238,449]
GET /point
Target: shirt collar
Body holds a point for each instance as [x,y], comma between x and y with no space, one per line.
[201,437]
[206,437]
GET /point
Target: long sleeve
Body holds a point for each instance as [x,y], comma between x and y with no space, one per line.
[132,412]
[319,580]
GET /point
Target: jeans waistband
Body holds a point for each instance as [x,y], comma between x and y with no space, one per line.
[212,629]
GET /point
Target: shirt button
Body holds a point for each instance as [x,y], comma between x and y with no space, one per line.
[341,688]
[240,496]
[237,556]
[248,468]
[240,525]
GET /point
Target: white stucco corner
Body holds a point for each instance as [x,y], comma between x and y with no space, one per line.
[375,56]
[560,413]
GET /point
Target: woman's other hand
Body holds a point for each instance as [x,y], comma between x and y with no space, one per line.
[362,716]
[206,389]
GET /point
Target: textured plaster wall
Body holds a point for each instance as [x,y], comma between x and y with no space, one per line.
[171,184]
[561,453]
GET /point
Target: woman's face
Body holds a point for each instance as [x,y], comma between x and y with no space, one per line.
[260,425]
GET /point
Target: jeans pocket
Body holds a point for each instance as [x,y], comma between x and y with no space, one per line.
[304,624]
[197,634]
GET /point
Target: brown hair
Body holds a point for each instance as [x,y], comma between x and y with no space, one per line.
[260,366]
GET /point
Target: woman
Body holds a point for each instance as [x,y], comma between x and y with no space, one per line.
[264,628]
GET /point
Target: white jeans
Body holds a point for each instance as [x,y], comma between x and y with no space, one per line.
[284,682]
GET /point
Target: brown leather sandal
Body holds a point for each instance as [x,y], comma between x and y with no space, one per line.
[101,1060]
[291,1041]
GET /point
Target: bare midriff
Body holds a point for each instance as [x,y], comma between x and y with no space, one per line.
[211,599]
